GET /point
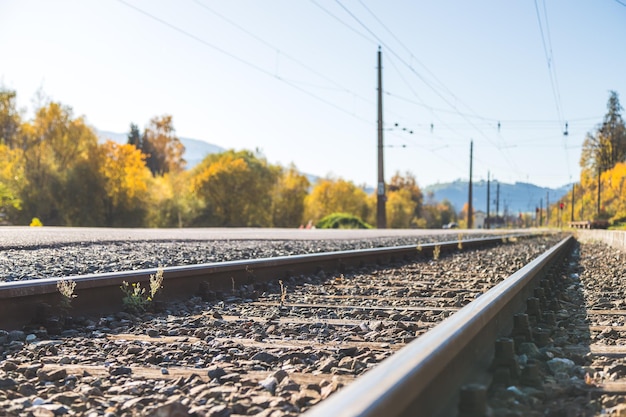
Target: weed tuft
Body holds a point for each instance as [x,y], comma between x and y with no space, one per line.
[135,298]
[66,289]
[283,293]
[436,252]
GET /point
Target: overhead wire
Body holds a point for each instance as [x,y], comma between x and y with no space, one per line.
[276,49]
[338,86]
[413,57]
[363,36]
[410,87]
[241,60]
[328,12]
[503,152]
[288,56]
[547,48]
[549,55]
[471,119]
[420,76]
[549,59]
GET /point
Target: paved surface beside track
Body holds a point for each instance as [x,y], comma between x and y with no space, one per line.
[16,236]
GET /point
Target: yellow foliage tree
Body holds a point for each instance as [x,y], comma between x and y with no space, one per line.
[614,192]
[171,203]
[11,177]
[57,150]
[235,188]
[410,197]
[288,198]
[400,209]
[435,214]
[126,180]
[10,120]
[162,147]
[335,196]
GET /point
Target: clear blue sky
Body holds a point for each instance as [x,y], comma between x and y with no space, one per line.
[297,78]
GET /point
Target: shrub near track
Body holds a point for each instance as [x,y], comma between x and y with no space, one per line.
[342,221]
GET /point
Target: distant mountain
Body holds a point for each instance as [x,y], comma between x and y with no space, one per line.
[195,150]
[514,198]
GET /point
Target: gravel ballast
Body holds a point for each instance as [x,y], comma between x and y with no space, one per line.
[62,260]
[214,359]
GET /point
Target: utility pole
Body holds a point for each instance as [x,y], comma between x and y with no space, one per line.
[573,190]
[497,199]
[469,202]
[381,215]
[599,187]
[488,226]
[541,212]
[506,213]
[547,208]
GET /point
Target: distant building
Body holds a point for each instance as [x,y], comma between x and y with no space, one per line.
[479,219]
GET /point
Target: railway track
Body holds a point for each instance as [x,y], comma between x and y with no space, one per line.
[278,349]
[27,300]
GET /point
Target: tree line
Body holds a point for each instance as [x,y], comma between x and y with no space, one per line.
[54,168]
[600,194]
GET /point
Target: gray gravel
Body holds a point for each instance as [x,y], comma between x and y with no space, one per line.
[59,260]
[564,373]
[239,357]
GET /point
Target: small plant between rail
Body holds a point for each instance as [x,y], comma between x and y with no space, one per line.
[135,298]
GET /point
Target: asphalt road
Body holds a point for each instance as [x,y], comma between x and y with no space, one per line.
[23,236]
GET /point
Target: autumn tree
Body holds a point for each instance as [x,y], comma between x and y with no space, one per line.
[607,146]
[9,119]
[126,180]
[404,201]
[436,214]
[288,198]
[11,176]
[171,201]
[614,192]
[84,187]
[235,188]
[162,147]
[55,144]
[335,196]
[134,137]
[400,209]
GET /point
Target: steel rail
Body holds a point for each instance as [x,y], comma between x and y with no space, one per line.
[25,302]
[424,377]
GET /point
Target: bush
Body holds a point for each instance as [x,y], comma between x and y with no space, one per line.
[35,222]
[342,221]
[618,224]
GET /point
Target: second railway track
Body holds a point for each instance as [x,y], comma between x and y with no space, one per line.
[274,350]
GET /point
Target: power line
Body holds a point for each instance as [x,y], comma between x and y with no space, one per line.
[547,47]
[493,123]
[241,60]
[338,86]
[391,50]
[276,49]
[328,12]
[413,57]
